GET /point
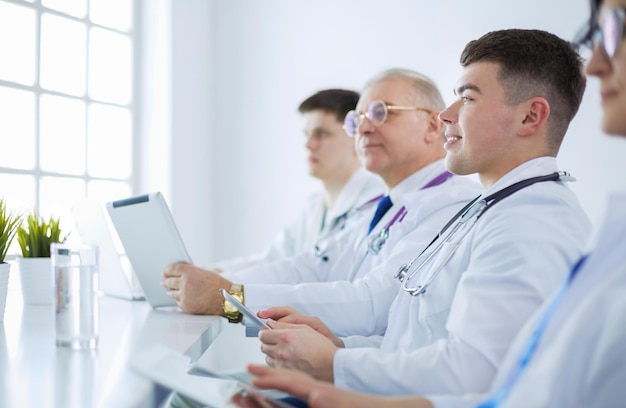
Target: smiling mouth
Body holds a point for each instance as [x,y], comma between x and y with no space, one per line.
[451,140]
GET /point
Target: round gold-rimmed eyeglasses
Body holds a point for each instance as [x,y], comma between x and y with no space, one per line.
[377,114]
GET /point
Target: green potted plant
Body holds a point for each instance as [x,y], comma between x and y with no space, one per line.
[9,222]
[34,237]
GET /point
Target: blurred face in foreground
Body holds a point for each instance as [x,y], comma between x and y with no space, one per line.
[611,69]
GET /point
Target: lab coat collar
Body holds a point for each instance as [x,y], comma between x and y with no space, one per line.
[540,166]
[609,248]
[417,180]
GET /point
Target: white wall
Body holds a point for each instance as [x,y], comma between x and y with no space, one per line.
[242,67]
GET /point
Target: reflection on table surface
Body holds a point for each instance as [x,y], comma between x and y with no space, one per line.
[37,373]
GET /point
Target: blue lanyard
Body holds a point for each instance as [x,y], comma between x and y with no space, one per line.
[498,397]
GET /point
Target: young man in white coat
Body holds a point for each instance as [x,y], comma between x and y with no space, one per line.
[400,139]
[572,353]
[333,160]
[464,299]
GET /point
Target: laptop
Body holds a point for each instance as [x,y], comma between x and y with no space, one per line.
[151,241]
[116,276]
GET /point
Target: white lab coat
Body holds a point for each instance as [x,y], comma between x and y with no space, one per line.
[452,338]
[313,222]
[328,292]
[581,358]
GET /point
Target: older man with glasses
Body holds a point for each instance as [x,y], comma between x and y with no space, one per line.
[399,137]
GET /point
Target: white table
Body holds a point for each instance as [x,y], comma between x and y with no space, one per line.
[34,372]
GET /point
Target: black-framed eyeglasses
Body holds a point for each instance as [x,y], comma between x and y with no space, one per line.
[376,113]
[607,32]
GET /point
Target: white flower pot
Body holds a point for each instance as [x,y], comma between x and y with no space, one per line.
[36,277]
[4,287]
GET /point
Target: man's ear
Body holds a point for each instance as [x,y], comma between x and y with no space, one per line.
[535,114]
[435,127]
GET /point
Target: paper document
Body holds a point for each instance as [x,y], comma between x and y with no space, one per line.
[174,371]
[168,368]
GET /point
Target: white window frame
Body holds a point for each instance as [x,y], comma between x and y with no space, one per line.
[38,91]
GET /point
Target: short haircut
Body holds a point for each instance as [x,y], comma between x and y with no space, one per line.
[534,63]
[335,101]
[424,89]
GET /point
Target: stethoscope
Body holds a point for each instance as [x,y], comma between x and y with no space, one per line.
[320,249]
[468,215]
[376,242]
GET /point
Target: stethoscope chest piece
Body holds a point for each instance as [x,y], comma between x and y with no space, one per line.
[401,272]
[320,253]
[377,242]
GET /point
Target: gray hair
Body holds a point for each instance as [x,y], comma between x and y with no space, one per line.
[424,89]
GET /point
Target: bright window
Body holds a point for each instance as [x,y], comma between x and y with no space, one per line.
[66,103]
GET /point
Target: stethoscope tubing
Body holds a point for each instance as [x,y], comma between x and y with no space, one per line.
[473,210]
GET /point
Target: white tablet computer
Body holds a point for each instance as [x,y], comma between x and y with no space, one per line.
[151,240]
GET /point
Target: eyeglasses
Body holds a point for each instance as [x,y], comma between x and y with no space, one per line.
[377,114]
[608,32]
